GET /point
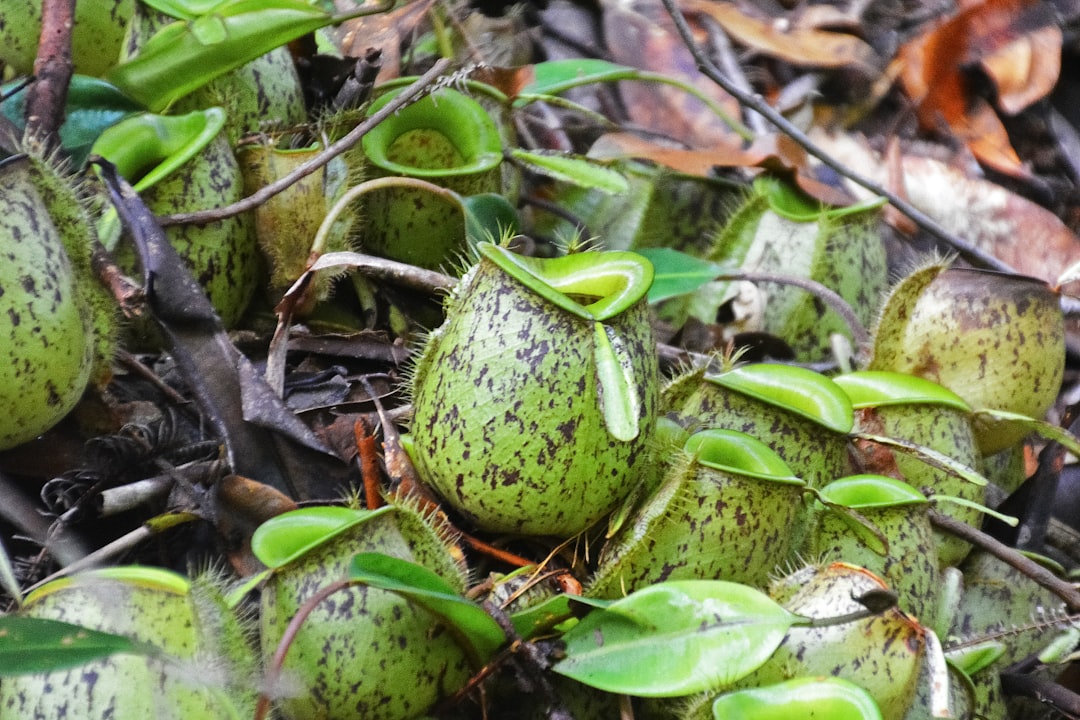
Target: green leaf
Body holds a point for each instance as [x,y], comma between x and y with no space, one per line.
[31,645]
[871,491]
[556,76]
[425,588]
[1031,425]
[827,698]
[573,169]
[880,388]
[282,539]
[739,453]
[184,9]
[677,273]
[970,659]
[796,389]
[543,616]
[92,106]
[675,638]
[185,55]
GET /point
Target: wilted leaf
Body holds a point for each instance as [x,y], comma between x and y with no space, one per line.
[675,638]
[985,214]
[643,36]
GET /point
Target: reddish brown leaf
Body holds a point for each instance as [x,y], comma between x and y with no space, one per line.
[1015,42]
[508,80]
[691,162]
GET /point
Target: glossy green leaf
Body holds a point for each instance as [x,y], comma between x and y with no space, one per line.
[185,55]
[572,169]
[620,397]
[1031,425]
[878,388]
[739,453]
[796,389]
[871,491]
[482,635]
[489,217]
[31,645]
[613,280]
[545,615]
[286,537]
[677,273]
[808,698]
[788,200]
[675,638]
[92,106]
[556,76]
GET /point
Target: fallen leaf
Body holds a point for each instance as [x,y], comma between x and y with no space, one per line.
[1024,235]
[799,45]
[1014,41]
[1027,69]
[643,36]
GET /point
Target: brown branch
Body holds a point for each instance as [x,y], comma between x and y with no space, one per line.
[52,72]
[407,96]
[755,102]
[1063,589]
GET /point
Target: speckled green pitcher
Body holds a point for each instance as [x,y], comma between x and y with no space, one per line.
[724,511]
[445,138]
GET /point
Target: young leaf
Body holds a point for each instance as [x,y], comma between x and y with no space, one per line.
[579,171]
[30,645]
[675,638]
[425,588]
[677,273]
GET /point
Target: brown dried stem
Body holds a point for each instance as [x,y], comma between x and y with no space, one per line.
[52,73]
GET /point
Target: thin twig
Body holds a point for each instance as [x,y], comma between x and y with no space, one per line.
[399,101]
[828,296]
[755,102]
[1008,555]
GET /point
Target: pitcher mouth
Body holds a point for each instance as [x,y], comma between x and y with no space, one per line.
[592,286]
[461,123]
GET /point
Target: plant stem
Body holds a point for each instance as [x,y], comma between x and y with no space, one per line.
[273,673]
[53,67]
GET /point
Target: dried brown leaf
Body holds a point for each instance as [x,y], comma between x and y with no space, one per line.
[1028,237]
[800,45]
